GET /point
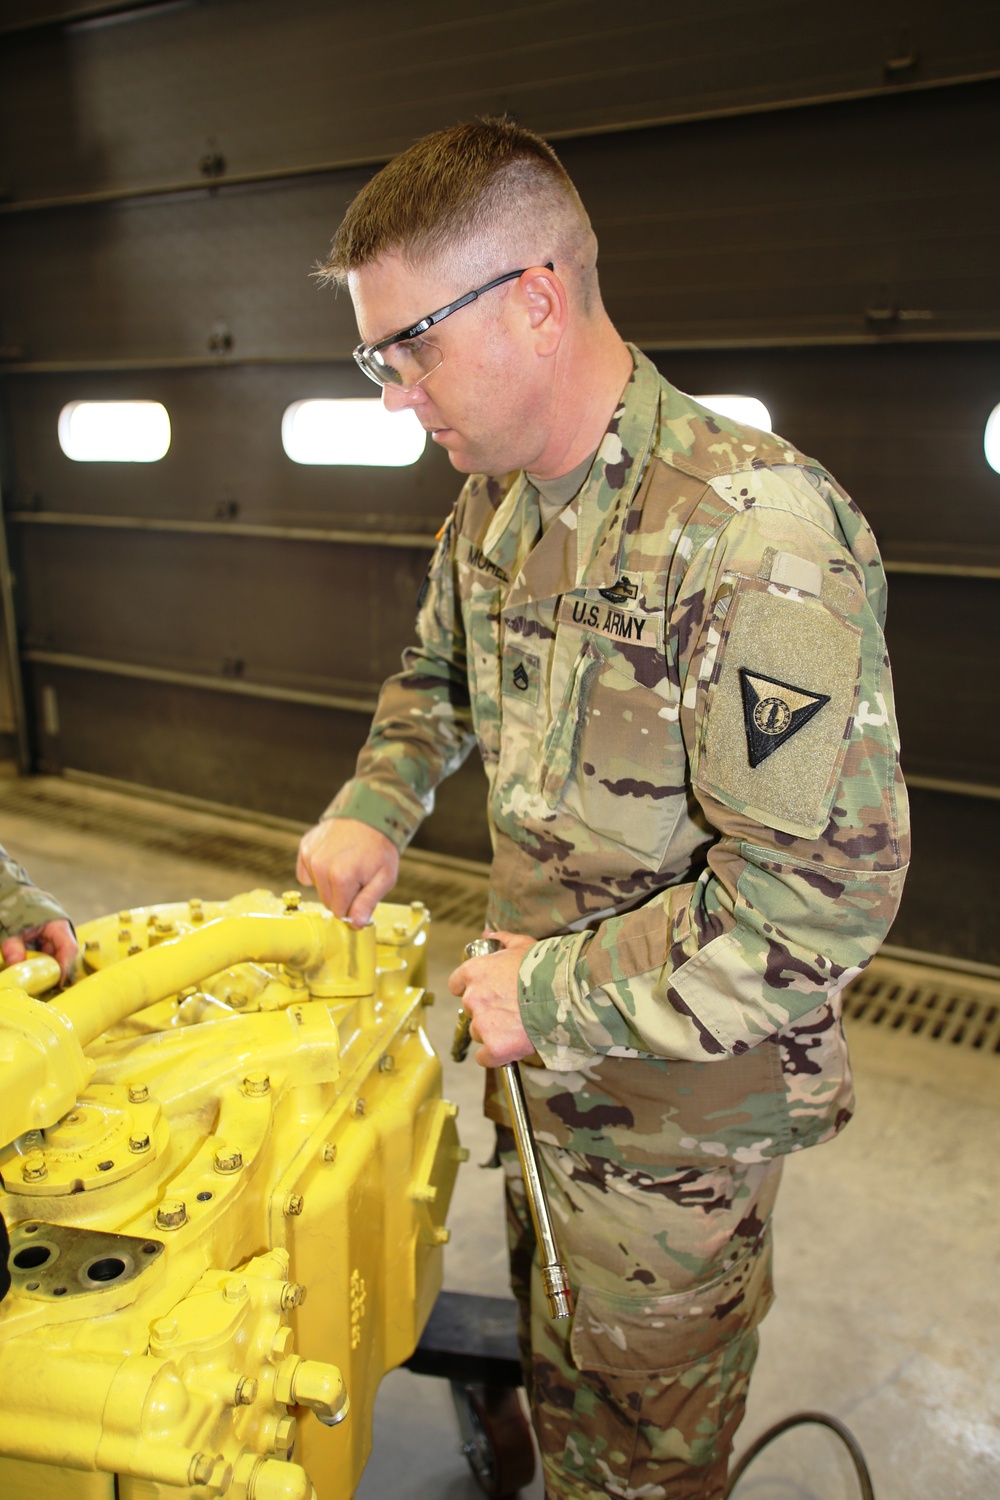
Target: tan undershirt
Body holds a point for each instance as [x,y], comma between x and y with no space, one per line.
[555,494]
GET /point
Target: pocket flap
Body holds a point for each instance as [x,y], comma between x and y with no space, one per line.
[627,1335]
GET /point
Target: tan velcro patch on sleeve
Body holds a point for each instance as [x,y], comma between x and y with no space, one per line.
[781,657]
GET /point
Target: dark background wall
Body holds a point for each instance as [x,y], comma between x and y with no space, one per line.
[794,200]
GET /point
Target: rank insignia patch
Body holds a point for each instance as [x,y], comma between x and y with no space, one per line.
[773,711]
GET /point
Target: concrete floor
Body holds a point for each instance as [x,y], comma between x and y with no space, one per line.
[887,1240]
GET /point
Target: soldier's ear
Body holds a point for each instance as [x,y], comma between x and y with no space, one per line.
[546,305]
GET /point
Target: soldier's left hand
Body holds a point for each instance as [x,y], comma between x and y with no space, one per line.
[488,990]
[56,938]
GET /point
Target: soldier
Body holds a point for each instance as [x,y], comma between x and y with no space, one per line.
[30,918]
[663,630]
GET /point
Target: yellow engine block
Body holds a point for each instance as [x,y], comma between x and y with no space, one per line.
[234,1107]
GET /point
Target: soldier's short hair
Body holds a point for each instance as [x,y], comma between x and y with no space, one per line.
[485,183]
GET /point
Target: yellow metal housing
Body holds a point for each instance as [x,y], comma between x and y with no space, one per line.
[236,1105]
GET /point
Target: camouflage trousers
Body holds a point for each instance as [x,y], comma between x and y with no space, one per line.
[640,1395]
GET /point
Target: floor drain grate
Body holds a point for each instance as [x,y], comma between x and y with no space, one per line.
[931,1003]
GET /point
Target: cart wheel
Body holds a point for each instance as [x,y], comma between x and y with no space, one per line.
[496,1437]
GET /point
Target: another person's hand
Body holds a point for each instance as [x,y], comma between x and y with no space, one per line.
[351,865]
[488,990]
[56,938]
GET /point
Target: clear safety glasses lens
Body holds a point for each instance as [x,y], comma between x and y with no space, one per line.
[401,366]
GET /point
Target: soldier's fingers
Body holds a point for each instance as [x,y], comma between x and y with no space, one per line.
[62,940]
[457,980]
[359,913]
[13,950]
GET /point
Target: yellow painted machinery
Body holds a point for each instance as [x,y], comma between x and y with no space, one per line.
[228,1169]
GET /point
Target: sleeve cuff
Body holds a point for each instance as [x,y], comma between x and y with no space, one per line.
[546,986]
[358,799]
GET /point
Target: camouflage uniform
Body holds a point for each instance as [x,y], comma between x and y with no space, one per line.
[682,700]
[22,905]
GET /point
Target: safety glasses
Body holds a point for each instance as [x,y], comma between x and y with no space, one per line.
[405,359]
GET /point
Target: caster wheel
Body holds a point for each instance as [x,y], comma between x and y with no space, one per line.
[496,1438]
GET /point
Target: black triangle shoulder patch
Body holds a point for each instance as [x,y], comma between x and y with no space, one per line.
[773,711]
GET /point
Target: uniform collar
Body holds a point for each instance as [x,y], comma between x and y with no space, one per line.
[591,557]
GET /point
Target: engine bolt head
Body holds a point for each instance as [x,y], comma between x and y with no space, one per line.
[138,1143]
[294,1205]
[235,1289]
[293,1294]
[386,1063]
[33,1168]
[171,1214]
[284,1437]
[246,1391]
[256,1084]
[138,1093]
[228,1159]
[359,1107]
[330,1151]
[291,900]
[125,935]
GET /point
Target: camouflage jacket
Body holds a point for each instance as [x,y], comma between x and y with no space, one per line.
[23,905]
[682,700]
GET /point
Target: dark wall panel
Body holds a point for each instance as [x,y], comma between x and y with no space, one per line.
[283,759]
[948,903]
[844,222]
[139,101]
[288,614]
[225,456]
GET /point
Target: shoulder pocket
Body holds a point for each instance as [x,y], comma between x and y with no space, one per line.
[779,708]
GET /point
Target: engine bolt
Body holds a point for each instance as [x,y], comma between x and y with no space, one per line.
[138,1143]
[133,950]
[294,1205]
[330,1151]
[125,935]
[386,1063]
[92,946]
[200,1468]
[33,1168]
[359,1106]
[171,1214]
[284,1438]
[256,1084]
[235,1289]
[195,910]
[293,1294]
[138,1093]
[291,899]
[124,917]
[228,1159]
[246,1391]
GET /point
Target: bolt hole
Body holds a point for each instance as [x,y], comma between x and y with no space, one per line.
[108,1269]
[205,1197]
[31,1228]
[33,1286]
[58,1291]
[149,1248]
[105,1166]
[34,1255]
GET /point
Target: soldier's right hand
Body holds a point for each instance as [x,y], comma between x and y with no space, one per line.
[351,865]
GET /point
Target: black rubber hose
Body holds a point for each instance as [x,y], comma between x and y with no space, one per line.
[801,1419]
